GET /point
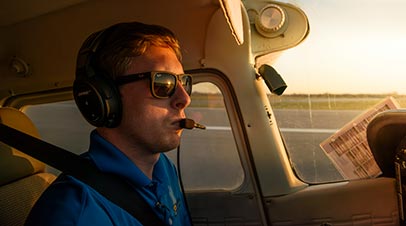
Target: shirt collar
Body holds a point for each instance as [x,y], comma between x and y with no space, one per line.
[110,159]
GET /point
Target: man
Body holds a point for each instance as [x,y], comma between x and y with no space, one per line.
[142,63]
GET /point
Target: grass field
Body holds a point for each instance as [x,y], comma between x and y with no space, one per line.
[303,101]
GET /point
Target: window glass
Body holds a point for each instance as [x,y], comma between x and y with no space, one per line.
[61,124]
[349,68]
[209,158]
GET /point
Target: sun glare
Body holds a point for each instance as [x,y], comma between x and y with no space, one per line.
[348,50]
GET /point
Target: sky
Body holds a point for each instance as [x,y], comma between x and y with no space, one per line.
[354,46]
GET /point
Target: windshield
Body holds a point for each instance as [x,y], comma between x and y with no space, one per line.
[349,68]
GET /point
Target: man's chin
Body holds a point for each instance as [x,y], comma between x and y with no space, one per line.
[170,146]
[173,147]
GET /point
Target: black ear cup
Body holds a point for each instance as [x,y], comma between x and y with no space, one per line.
[95,93]
[99,101]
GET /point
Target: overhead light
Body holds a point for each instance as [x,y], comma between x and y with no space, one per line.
[19,67]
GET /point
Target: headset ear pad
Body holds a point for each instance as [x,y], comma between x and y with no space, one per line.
[99,101]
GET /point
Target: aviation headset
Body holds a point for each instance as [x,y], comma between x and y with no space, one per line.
[94,91]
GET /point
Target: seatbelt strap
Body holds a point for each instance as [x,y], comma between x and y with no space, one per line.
[115,189]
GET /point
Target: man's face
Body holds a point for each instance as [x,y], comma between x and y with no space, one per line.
[151,124]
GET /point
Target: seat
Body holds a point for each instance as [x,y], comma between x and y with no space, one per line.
[22,178]
[385,133]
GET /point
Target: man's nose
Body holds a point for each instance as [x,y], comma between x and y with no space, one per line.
[180,98]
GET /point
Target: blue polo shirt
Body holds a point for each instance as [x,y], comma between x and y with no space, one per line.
[68,201]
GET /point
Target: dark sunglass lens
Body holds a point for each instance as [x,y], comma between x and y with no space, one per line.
[187,83]
[164,84]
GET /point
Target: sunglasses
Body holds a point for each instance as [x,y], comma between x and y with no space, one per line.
[163,84]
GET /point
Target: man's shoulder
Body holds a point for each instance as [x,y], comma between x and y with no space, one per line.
[69,201]
[63,202]
[66,188]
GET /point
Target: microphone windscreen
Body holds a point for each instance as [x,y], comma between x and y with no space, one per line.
[187,123]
